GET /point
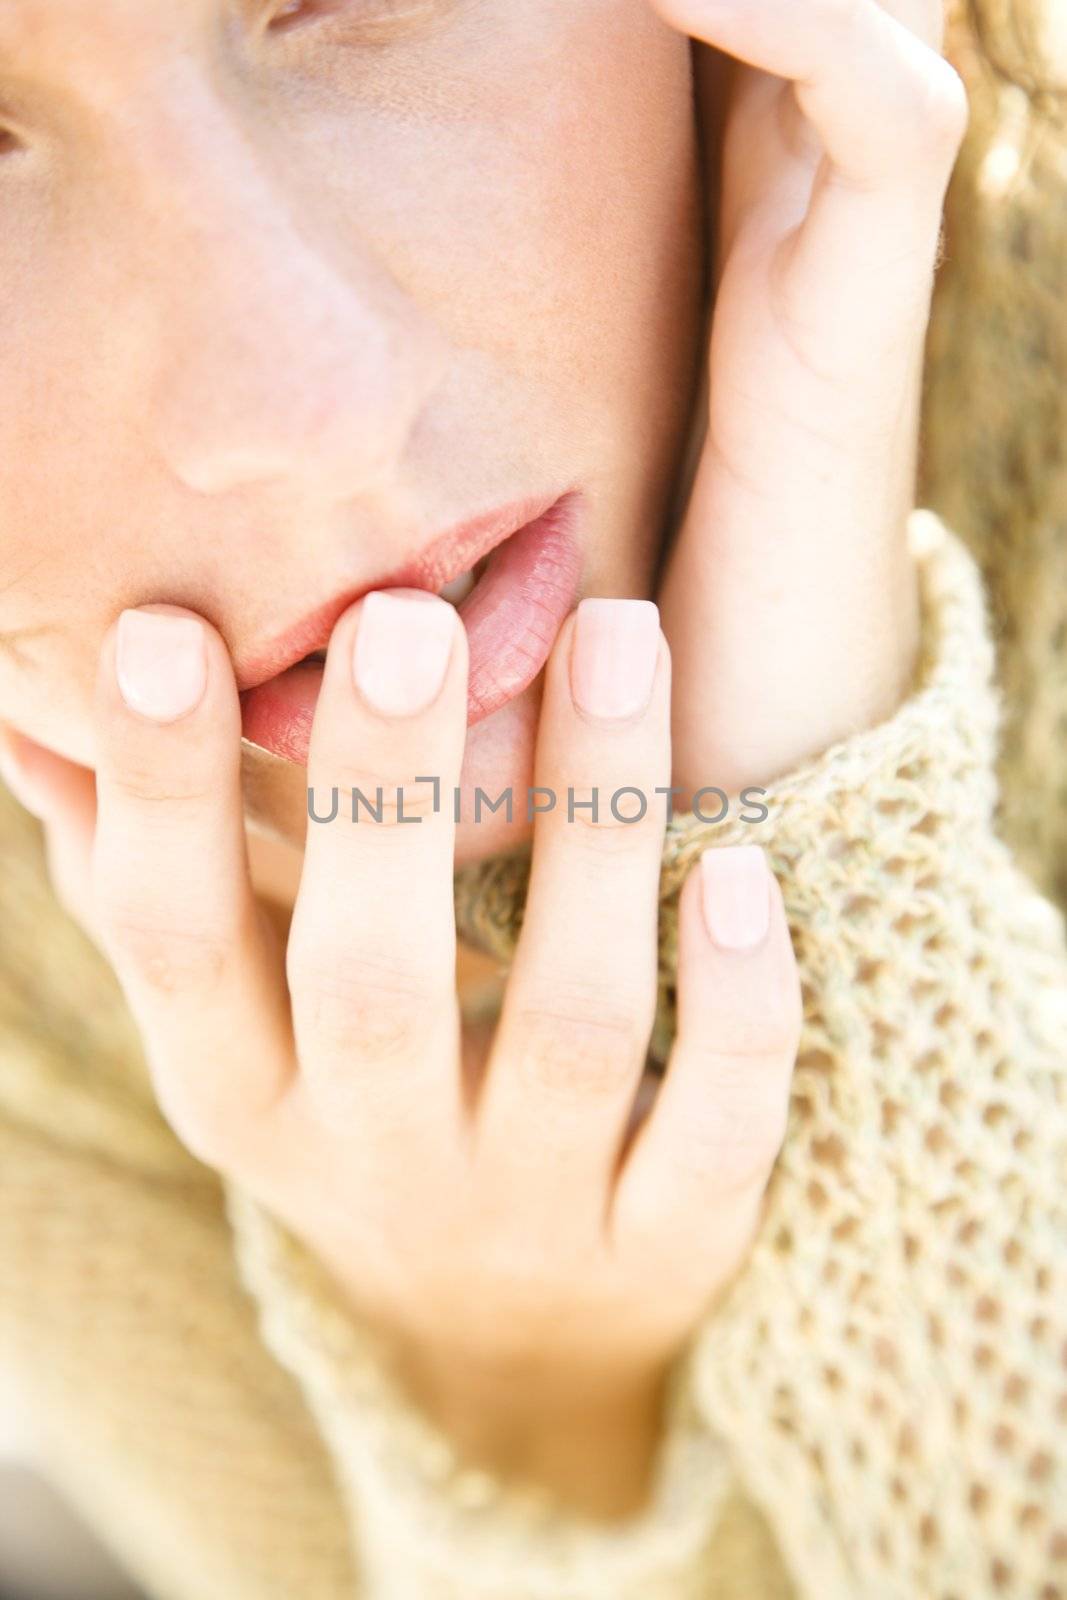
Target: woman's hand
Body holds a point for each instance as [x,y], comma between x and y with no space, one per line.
[534,1267]
[789,598]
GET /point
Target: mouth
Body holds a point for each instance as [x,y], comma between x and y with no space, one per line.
[513,585]
[455,592]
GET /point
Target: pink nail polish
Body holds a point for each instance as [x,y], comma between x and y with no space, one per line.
[613,657]
[402,650]
[736,895]
[160,663]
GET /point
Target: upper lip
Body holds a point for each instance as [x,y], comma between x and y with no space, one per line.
[446,557]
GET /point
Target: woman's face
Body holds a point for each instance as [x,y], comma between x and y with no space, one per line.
[289,292]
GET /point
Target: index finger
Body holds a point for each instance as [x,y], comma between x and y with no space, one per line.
[171,881]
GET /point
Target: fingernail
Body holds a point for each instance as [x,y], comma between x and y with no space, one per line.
[160,663]
[613,657]
[736,895]
[402,649]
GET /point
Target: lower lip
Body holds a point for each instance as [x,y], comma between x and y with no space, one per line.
[511,617]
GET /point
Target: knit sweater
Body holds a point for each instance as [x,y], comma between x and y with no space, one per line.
[879,1402]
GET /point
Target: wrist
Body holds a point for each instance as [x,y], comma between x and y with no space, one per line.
[591,1445]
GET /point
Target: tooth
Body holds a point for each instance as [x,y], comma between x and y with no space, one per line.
[458,589]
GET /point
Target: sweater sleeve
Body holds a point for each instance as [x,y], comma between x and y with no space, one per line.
[889,1370]
[423,1521]
[885,1376]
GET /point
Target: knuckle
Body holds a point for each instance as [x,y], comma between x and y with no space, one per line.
[375,799]
[153,785]
[582,1042]
[739,1139]
[169,958]
[359,1008]
[758,1019]
[769,1035]
[609,821]
[945,111]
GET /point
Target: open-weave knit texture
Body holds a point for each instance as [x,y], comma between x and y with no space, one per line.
[994,449]
[878,1405]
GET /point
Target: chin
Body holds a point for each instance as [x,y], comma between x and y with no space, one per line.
[499,755]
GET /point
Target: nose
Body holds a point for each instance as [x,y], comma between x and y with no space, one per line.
[280,355]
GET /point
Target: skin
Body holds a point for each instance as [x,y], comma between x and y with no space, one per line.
[422,360]
[289,202]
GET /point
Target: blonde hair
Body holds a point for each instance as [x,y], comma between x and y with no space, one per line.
[1021,43]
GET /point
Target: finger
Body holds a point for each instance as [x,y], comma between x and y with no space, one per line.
[580,998]
[888,111]
[692,1181]
[170,878]
[372,946]
[869,74]
[62,795]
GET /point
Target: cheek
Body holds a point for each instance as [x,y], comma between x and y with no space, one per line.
[533,181]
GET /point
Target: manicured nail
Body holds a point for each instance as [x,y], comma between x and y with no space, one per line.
[160,663]
[736,895]
[402,649]
[613,657]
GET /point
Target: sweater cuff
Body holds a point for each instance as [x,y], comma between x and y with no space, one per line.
[425,1522]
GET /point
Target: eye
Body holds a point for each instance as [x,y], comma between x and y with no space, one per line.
[370,15]
[294,13]
[288,13]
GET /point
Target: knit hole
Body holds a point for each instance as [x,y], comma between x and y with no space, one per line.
[950,1096]
[937,1139]
[977,1497]
[816,1060]
[830,1152]
[1004,1439]
[1016,1389]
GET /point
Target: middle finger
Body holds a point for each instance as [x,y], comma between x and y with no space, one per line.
[578,1009]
